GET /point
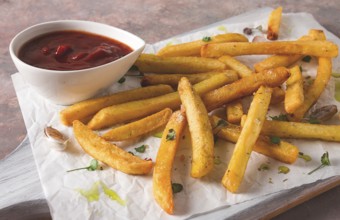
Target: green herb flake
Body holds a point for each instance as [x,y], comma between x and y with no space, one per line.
[259,28]
[206,39]
[217,161]
[141,149]
[176,187]
[122,80]
[337,91]
[263,166]
[283,169]
[158,134]
[275,140]
[306,157]
[324,162]
[281,117]
[307,59]
[171,135]
[92,167]
[336,75]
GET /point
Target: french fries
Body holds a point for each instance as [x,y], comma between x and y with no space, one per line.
[278,95]
[313,48]
[84,109]
[250,132]
[287,60]
[298,130]
[137,109]
[236,65]
[313,92]
[284,151]
[161,178]
[194,48]
[149,63]
[173,79]
[274,22]
[202,139]
[294,90]
[245,86]
[109,153]
[234,112]
[138,128]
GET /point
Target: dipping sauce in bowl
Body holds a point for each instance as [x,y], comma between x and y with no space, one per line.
[71,50]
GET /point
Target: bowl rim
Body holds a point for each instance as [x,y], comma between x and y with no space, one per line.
[47,71]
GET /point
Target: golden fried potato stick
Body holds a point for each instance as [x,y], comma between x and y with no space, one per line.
[286,60]
[149,63]
[161,178]
[202,139]
[84,109]
[284,151]
[250,132]
[278,95]
[173,79]
[109,153]
[236,65]
[194,48]
[138,128]
[234,111]
[294,90]
[313,48]
[298,130]
[313,92]
[245,86]
[129,111]
[274,22]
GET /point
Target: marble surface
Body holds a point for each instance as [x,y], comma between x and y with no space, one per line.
[151,20]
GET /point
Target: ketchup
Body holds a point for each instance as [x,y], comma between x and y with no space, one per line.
[71,50]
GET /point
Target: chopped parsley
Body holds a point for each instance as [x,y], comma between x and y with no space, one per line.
[281,117]
[275,140]
[92,167]
[141,149]
[324,162]
[206,39]
[171,135]
[283,169]
[306,157]
[307,59]
[176,187]
[263,166]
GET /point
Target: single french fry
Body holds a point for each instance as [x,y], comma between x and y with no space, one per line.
[299,130]
[278,95]
[202,139]
[138,128]
[236,65]
[313,48]
[194,48]
[129,111]
[313,92]
[274,22]
[283,152]
[83,110]
[294,90]
[234,111]
[173,79]
[161,178]
[250,132]
[287,60]
[149,63]
[109,153]
[245,86]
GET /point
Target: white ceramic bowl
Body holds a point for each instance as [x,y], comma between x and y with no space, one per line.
[68,87]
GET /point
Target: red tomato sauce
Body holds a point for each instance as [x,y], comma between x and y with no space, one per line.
[71,50]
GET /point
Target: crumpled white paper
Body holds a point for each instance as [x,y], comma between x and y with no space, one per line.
[199,195]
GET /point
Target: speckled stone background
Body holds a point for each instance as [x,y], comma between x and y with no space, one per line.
[152,20]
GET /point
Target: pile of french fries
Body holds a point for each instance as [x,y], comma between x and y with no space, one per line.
[183,83]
